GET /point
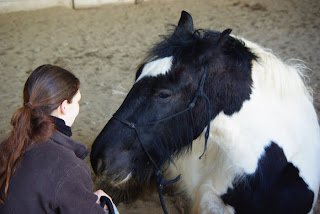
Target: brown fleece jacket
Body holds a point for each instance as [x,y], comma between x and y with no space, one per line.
[52,178]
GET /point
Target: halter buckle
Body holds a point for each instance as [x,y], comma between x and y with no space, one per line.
[132,125]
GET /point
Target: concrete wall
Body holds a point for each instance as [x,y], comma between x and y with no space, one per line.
[18,5]
[93,3]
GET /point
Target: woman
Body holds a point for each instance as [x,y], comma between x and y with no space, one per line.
[41,167]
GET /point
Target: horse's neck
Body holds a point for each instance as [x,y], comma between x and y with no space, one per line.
[272,77]
[274,111]
[290,122]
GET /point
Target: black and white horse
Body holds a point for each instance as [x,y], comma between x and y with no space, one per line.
[263,140]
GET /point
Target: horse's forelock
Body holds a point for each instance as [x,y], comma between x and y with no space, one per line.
[178,42]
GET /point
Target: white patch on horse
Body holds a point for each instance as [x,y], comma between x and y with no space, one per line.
[156,67]
[124,180]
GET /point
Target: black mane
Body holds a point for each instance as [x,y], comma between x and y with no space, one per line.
[179,40]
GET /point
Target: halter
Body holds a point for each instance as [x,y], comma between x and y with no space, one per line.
[159,175]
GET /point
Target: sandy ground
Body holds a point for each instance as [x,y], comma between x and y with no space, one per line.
[103,47]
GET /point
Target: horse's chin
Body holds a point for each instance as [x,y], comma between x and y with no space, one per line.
[121,182]
[126,189]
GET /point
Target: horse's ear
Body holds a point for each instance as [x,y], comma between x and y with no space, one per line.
[224,35]
[186,21]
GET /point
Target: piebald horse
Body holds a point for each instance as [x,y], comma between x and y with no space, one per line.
[234,120]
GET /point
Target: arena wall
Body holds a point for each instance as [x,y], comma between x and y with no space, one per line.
[7,6]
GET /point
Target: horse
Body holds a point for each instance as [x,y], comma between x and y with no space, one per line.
[233,119]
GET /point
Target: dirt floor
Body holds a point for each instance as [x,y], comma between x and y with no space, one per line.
[103,46]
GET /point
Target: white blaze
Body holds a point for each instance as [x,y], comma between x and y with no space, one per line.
[156,67]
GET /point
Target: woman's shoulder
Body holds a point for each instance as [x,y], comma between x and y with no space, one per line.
[79,149]
[49,164]
[58,152]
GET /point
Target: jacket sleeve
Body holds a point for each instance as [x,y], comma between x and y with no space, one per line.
[74,193]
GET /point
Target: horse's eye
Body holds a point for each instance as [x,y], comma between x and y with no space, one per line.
[164,95]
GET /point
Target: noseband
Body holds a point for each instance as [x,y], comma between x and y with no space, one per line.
[159,175]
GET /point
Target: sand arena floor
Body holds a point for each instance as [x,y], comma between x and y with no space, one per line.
[103,46]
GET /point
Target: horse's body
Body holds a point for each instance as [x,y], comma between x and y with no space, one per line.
[279,110]
[264,137]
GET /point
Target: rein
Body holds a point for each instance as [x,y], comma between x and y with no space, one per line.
[159,175]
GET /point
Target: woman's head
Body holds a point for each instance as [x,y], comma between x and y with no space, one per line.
[53,90]
[68,111]
[48,89]
[48,86]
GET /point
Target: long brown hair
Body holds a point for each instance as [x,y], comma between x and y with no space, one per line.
[45,89]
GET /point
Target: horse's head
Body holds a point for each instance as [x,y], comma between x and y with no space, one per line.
[134,142]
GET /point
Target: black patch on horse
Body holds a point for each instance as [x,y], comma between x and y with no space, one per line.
[274,188]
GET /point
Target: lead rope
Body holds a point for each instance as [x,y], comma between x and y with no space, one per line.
[159,175]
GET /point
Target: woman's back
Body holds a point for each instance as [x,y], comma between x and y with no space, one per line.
[47,174]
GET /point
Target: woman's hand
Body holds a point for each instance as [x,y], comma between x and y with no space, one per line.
[100,193]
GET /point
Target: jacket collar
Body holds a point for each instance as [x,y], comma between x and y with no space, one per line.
[61,126]
[79,149]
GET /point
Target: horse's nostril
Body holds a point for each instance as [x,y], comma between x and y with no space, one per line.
[100,166]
